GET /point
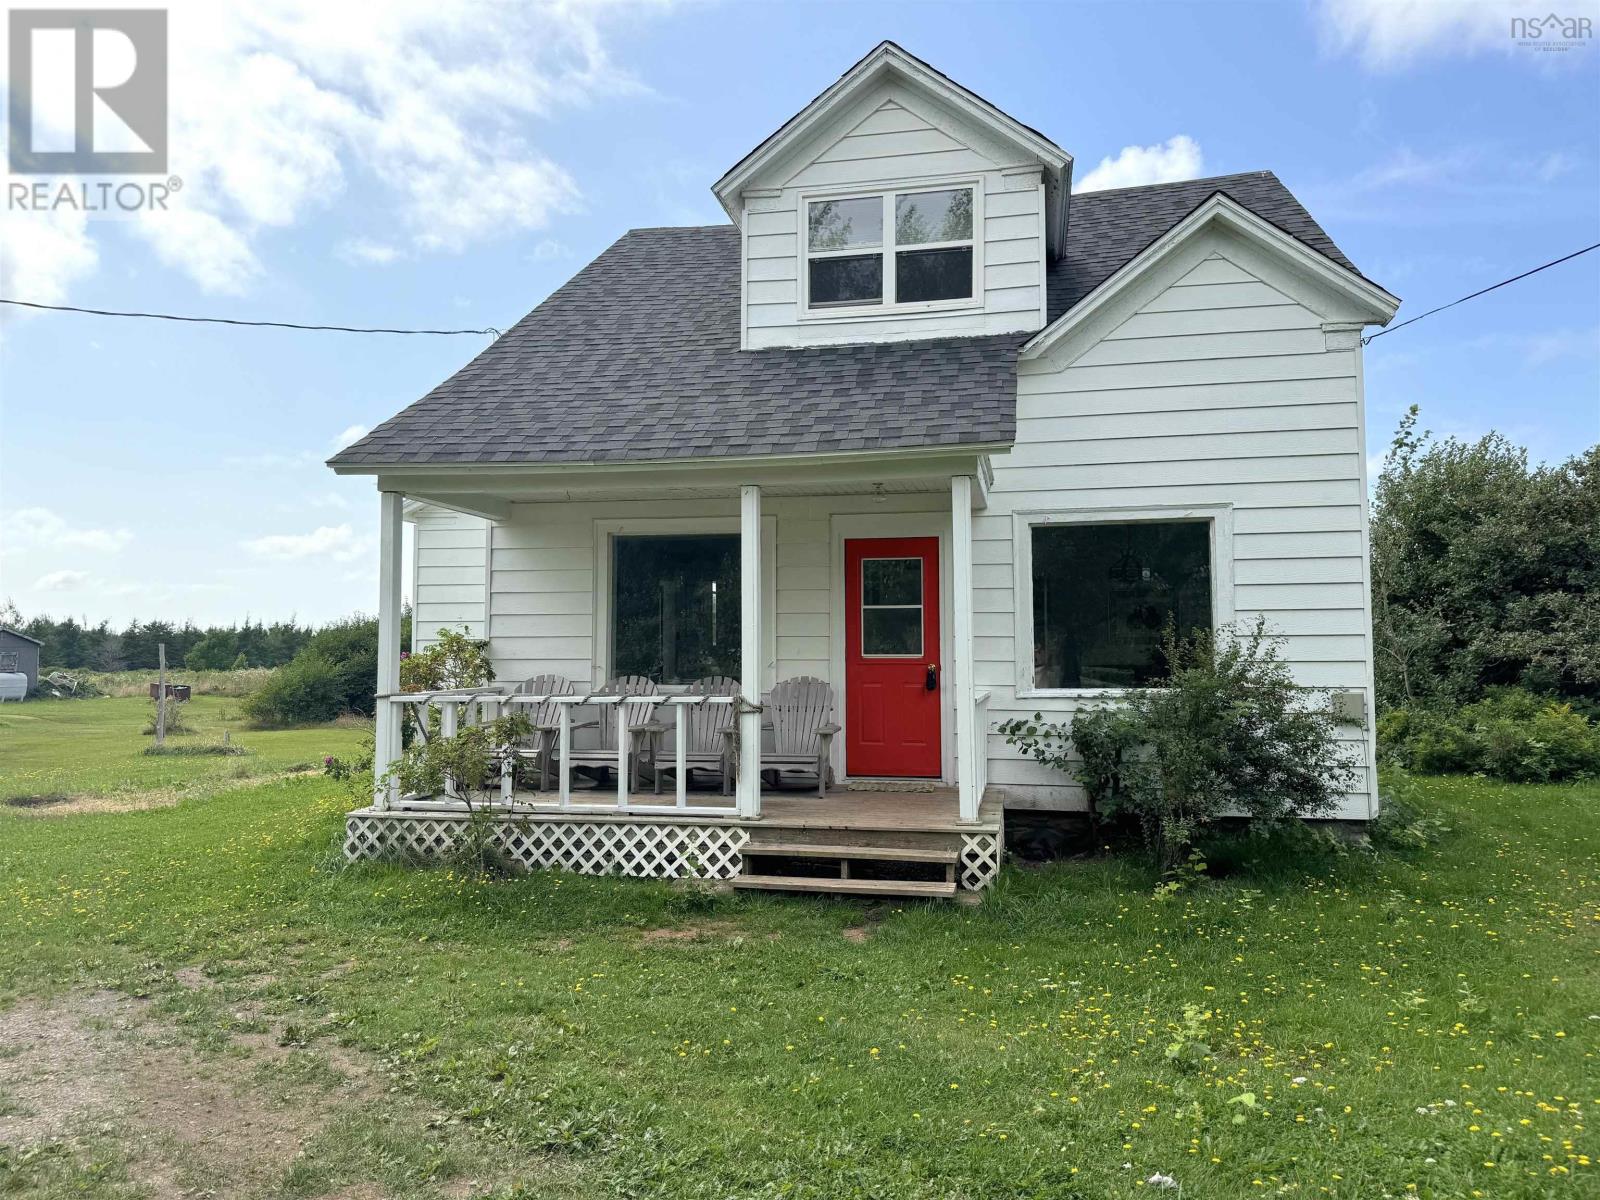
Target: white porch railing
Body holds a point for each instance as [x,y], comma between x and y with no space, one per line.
[980,740]
[480,705]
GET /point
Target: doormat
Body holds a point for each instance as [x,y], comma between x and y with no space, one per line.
[890,785]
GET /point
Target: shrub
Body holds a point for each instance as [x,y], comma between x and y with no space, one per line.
[352,647]
[335,673]
[309,690]
[1401,825]
[175,722]
[1510,734]
[1484,571]
[453,661]
[466,766]
[1229,733]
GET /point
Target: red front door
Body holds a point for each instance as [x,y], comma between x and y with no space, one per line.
[891,658]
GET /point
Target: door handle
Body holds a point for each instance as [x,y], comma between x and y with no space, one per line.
[932,682]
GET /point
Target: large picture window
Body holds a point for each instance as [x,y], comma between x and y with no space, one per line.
[893,248]
[675,606]
[1105,592]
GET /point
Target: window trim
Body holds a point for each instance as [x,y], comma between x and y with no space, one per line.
[888,306]
[606,529]
[1219,518]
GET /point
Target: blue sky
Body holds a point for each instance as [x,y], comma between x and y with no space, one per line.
[451,164]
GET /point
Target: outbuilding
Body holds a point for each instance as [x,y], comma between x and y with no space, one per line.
[19,653]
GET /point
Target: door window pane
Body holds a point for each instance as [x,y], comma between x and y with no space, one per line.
[891,631]
[933,275]
[675,606]
[845,224]
[923,217]
[836,282]
[891,581]
[1104,593]
[891,607]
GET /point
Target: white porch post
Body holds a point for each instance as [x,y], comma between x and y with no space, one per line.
[748,783]
[968,745]
[390,540]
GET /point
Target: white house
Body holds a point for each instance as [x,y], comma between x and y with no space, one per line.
[917,423]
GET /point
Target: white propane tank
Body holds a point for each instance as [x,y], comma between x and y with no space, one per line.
[13,685]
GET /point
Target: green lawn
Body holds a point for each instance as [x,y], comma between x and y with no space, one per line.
[1371,1026]
[95,748]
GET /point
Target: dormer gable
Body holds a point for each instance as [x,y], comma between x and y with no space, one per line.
[896,205]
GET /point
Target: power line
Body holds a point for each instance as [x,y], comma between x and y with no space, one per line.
[492,332]
[152,316]
[1482,292]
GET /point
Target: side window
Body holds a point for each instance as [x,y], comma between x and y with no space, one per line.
[1104,594]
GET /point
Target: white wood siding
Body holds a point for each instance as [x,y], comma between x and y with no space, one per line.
[544,568]
[448,575]
[1218,390]
[889,140]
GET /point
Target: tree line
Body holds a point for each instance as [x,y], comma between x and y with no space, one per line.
[1486,608]
[1485,572]
[77,645]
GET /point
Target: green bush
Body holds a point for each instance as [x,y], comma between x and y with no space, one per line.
[1484,572]
[1511,734]
[1229,732]
[453,661]
[311,689]
[336,673]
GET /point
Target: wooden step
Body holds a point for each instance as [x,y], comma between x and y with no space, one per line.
[848,887]
[859,853]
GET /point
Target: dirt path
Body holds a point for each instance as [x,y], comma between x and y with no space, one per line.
[93,1068]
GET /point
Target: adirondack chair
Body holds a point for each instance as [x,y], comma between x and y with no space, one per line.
[706,735]
[800,715]
[635,717]
[540,745]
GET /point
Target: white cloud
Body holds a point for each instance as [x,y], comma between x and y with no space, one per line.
[364,251]
[1405,167]
[338,542]
[280,107]
[43,254]
[203,246]
[1178,157]
[42,529]
[61,581]
[349,436]
[1389,34]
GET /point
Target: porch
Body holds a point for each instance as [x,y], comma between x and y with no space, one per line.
[803,547]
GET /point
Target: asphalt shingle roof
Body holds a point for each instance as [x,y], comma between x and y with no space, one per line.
[637,357]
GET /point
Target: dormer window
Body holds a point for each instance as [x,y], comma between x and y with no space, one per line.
[926,259]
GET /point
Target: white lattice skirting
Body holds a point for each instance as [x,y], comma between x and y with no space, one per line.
[653,850]
[980,860]
[643,850]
